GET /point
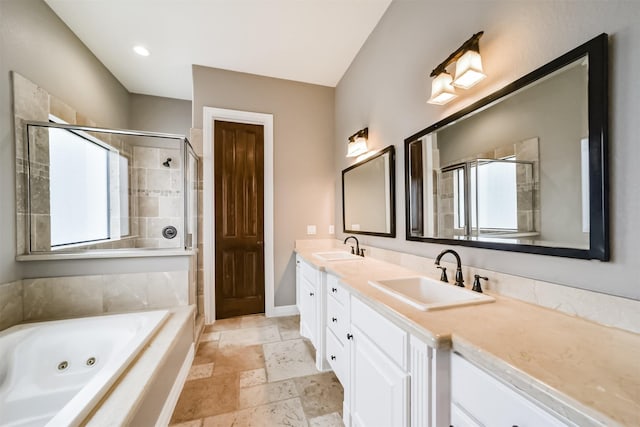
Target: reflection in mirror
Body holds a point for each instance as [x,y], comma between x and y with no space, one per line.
[522,169]
[368,195]
[96,189]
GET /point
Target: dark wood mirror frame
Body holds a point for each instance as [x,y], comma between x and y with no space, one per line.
[392,196]
[597,51]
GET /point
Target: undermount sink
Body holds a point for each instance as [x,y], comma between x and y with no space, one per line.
[427,294]
[335,256]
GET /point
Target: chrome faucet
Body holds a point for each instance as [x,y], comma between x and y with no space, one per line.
[358,251]
[459,278]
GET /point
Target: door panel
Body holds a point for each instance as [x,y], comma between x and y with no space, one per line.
[239,218]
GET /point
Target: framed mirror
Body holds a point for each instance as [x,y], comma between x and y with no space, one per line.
[368,195]
[524,169]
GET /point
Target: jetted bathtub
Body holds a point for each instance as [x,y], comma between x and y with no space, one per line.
[53,373]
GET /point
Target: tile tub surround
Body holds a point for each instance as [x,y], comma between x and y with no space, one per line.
[587,372]
[255,371]
[76,296]
[126,398]
[11,304]
[605,309]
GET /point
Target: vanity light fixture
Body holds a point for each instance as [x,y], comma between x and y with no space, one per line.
[358,143]
[468,71]
[141,50]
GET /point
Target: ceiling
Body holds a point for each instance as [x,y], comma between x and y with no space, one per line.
[311,41]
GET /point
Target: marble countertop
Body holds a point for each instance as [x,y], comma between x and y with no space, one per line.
[587,372]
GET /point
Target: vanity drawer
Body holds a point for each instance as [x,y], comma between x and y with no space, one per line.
[337,319]
[336,290]
[309,273]
[337,357]
[388,337]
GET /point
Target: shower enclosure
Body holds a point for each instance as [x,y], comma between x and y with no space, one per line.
[91,189]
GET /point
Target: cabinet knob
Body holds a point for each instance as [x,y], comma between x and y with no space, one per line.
[311,294]
[334,319]
[349,336]
[333,357]
[334,290]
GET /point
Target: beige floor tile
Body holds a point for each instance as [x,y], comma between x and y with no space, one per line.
[288,359]
[206,353]
[194,423]
[236,359]
[198,372]
[320,394]
[250,336]
[256,321]
[266,393]
[287,413]
[253,377]
[223,325]
[207,397]
[289,327]
[211,336]
[330,420]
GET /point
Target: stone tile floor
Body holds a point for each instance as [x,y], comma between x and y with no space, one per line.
[254,371]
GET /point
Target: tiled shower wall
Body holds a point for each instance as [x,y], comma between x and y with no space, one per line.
[159,193]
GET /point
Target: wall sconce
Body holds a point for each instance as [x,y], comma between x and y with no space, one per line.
[468,71]
[358,143]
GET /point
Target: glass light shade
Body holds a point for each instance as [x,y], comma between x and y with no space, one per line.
[468,70]
[441,90]
[357,146]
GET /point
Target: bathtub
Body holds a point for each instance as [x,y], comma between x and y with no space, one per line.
[53,373]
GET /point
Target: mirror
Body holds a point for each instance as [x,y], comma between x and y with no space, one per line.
[95,189]
[523,169]
[368,195]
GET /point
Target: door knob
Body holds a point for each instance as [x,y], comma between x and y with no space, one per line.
[334,320]
[333,357]
[310,294]
[349,336]
[334,290]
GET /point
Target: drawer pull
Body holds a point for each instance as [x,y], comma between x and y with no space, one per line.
[349,336]
[333,357]
[334,320]
[334,290]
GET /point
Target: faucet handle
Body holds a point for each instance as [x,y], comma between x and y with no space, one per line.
[362,252]
[353,250]
[443,276]
[476,283]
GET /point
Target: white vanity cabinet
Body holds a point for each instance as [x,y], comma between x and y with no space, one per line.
[478,399]
[379,377]
[310,285]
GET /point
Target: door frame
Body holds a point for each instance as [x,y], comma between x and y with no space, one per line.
[210,115]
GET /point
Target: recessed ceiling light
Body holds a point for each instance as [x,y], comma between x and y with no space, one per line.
[141,50]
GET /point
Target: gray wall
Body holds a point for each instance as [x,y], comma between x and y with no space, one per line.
[36,44]
[303,155]
[158,114]
[387,85]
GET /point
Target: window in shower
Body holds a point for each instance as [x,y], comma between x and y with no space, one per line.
[79,185]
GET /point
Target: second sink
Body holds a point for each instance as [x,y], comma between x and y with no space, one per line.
[427,294]
[335,256]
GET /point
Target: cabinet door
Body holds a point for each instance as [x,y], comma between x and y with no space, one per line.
[490,401]
[308,312]
[379,388]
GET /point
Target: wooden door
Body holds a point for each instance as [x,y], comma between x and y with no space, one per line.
[239,219]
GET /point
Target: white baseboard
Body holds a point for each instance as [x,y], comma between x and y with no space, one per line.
[284,310]
[174,394]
